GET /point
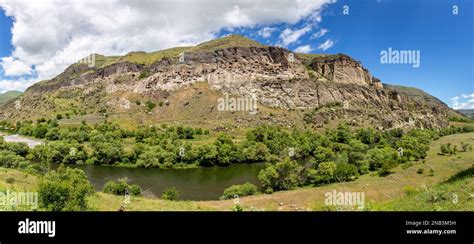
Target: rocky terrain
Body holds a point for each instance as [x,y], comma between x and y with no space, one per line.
[316,89]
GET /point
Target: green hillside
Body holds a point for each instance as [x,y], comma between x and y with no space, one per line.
[148,58]
[8,96]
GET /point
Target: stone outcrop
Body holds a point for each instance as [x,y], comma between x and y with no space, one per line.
[276,77]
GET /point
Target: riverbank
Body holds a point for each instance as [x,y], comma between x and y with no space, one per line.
[381,193]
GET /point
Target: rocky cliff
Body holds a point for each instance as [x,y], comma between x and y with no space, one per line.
[321,87]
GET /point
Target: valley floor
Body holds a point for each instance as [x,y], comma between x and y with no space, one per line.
[405,189]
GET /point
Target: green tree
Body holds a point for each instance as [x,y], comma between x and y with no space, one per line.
[323,174]
[377,157]
[64,190]
[283,175]
[345,172]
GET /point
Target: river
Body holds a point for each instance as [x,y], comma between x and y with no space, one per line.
[194,184]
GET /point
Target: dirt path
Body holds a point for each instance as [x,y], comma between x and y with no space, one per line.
[17,138]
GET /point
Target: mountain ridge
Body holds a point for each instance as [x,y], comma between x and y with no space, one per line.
[189,80]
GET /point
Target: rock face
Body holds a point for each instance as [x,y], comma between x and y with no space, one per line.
[342,69]
[276,77]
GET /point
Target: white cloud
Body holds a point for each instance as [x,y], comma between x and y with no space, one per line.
[468,95]
[463,102]
[266,31]
[15,85]
[12,67]
[326,45]
[45,30]
[289,36]
[303,49]
[320,33]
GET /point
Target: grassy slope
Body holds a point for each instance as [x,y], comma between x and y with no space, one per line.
[381,193]
[151,57]
[8,96]
[455,194]
[421,96]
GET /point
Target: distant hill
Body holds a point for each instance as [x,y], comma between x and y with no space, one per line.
[8,96]
[468,112]
[422,97]
[416,94]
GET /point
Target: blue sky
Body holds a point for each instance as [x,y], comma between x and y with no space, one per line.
[5,45]
[444,40]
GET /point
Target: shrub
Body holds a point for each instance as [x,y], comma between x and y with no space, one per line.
[420,171]
[237,208]
[283,175]
[385,170]
[150,105]
[246,189]
[143,75]
[345,172]
[465,146]
[135,190]
[121,187]
[171,194]
[410,190]
[323,174]
[444,149]
[10,180]
[10,160]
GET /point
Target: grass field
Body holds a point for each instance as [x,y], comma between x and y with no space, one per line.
[404,189]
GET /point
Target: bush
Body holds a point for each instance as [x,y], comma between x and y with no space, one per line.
[385,170]
[19,148]
[465,147]
[10,160]
[237,208]
[143,75]
[150,105]
[448,149]
[323,174]
[135,190]
[10,180]
[410,190]
[283,175]
[171,194]
[345,172]
[420,171]
[246,189]
[64,190]
[121,187]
